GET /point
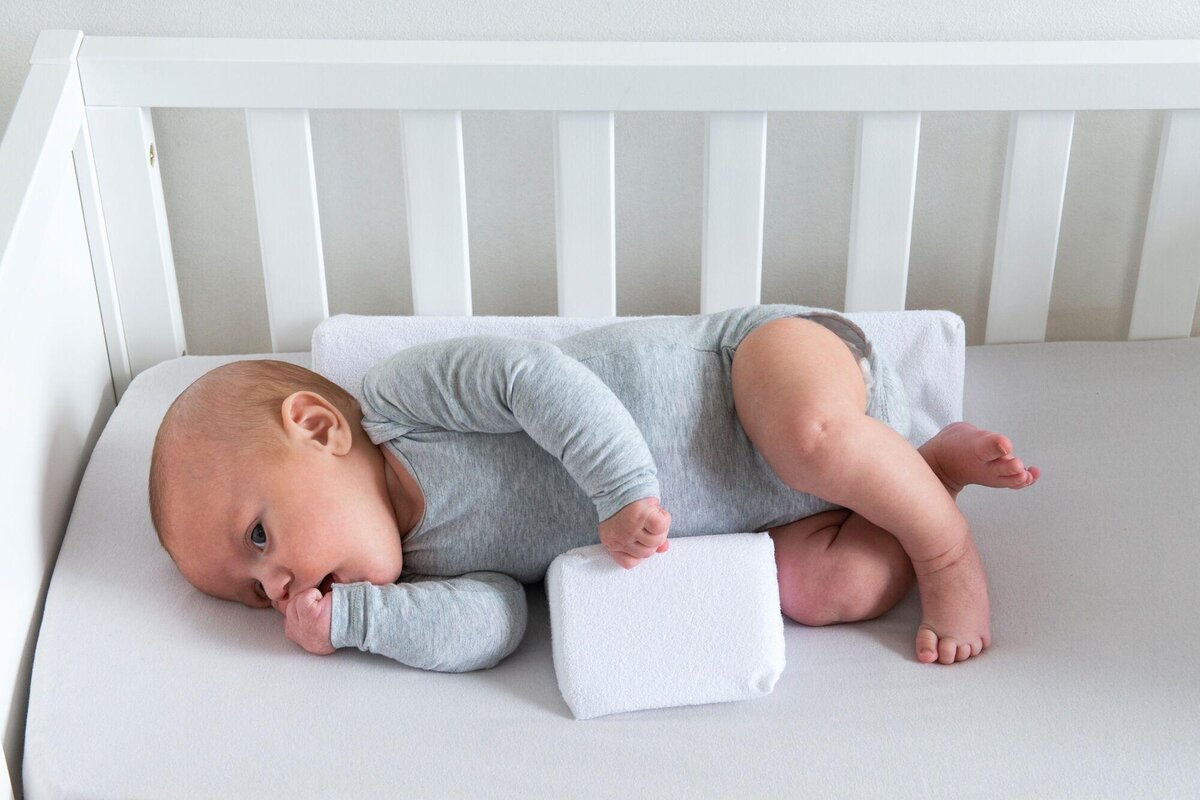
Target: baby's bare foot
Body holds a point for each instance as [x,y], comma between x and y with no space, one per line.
[956,617]
[962,454]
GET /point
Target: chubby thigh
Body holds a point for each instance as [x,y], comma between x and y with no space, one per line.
[791,377]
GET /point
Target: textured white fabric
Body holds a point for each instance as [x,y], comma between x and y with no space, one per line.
[925,349]
[144,687]
[699,623]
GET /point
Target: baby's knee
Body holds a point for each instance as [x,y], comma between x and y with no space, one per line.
[874,594]
[842,584]
[872,587]
[825,435]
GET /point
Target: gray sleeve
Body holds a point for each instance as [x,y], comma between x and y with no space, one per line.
[459,624]
[501,384]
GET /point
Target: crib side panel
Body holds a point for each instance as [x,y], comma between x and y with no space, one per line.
[58,384]
[738,84]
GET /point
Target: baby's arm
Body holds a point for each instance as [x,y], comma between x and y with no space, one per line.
[458,624]
[499,384]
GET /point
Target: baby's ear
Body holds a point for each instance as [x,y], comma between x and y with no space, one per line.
[310,416]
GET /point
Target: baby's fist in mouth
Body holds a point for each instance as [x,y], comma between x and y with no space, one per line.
[307,621]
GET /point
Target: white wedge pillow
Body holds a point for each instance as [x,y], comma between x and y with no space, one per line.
[699,623]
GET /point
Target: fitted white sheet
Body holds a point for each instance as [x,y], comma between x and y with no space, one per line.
[144,687]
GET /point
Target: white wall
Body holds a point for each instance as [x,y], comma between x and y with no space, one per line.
[659,169]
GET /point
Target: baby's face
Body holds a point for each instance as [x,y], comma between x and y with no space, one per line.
[263,533]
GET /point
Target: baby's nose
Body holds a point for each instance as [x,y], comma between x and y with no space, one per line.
[277,590]
[281,602]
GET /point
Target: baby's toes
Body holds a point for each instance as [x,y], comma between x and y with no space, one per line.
[1008,466]
[1011,472]
[927,644]
[947,650]
[993,446]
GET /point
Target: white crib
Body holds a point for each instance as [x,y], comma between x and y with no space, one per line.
[88,302]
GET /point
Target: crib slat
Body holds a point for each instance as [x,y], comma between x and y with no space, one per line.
[885,181]
[289,226]
[735,162]
[1169,277]
[585,214]
[139,243]
[102,269]
[1035,181]
[436,198]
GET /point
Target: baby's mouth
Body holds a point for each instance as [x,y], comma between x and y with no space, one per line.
[327,583]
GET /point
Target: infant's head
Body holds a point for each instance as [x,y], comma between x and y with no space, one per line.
[264,484]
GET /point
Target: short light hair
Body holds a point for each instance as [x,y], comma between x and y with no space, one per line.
[231,412]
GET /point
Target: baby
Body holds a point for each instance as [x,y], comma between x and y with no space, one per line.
[401,524]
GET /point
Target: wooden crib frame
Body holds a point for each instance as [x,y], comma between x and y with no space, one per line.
[87,280]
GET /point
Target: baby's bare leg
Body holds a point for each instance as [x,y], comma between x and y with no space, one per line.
[838,566]
[800,398]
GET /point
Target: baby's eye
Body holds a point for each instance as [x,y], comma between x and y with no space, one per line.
[258,536]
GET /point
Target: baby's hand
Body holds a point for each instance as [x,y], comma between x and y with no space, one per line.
[636,532]
[307,621]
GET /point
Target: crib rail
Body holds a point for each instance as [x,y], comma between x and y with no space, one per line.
[585,83]
[640,76]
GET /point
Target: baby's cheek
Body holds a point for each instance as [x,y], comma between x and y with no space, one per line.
[380,555]
[381,573]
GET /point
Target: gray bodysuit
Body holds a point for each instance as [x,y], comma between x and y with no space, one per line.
[522,447]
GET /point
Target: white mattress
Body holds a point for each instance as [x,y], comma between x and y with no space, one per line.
[144,687]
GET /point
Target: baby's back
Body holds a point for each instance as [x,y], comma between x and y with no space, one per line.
[499,501]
